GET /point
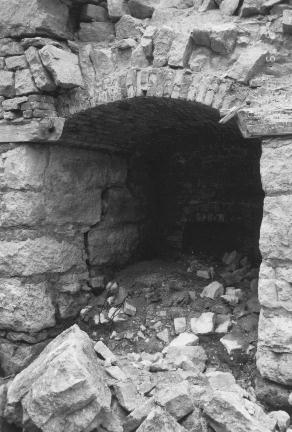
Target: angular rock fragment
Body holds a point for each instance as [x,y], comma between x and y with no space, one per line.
[232,343]
[162,44]
[287,21]
[40,75]
[180,325]
[101,349]
[92,12]
[127,395]
[7,84]
[248,64]
[96,32]
[184,339]
[62,65]
[213,290]
[175,400]
[16,62]
[117,8]
[136,417]
[282,419]
[141,8]
[129,27]
[63,389]
[220,38]
[160,420]
[204,324]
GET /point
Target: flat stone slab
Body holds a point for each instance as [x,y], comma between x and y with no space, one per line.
[49,129]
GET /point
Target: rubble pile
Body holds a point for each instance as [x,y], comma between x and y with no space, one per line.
[79,385]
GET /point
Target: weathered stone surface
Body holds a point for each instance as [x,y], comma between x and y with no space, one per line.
[194,356]
[282,419]
[195,422]
[127,395]
[141,8]
[274,366]
[63,66]
[24,83]
[250,8]
[228,7]
[63,388]
[31,131]
[13,104]
[287,21]
[162,44]
[213,290]
[160,420]
[9,47]
[14,357]
[92,12]
[41,255]
[96,32]
[272,394]
[139,58]
[40,75]
[16,62]
[129,27]
[117,8]
[275,239]
[136,417]
[180,325]
[220,38]
[204,324]
[113,246]
[175,400]
[276,168]
[248,64]
[39,17]
[25,306]
[7,84]
[275,330]
[184,339]
[180,51]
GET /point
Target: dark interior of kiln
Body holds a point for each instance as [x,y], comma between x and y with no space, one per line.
[199,190]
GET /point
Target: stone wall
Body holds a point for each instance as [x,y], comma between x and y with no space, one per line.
[63,214]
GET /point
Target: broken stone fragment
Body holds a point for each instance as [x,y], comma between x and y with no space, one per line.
[251,7]
[223,323]
[232,343]
[129,309]
[162,43]
[204,274]
[40,75]
[9,47]
[16,62]
[117,373]
[102,350]
[228,7]
[282,419]
[63,66]
[248,64]
[175,399]
[136,417]
[176,356]
[204,324]
[213,290]
[63,388]
[13,104]
[180,325]
[163,336]
[159,420]
[141,8]
[129,27]
[91,12]
[127,395]
[117,8]
[220,38]
[195,422]
[184,339]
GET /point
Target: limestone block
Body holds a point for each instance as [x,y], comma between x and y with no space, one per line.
[40,75]
[136,417]
[220,38]
[275,293]
[21,208]
[96,32]
[62,65]
[213,290]
[184,339]
[117,8]
[69,306]
[204,324]
[16,62]
[23,167]
[139,58]
[142,8]
[177,356]
[228,7]
[14,357]
[177,4]
[91,12]
[159,419]
[13,104]
[119,207]
[18,17]
[276,168]
[24,83]
[25,306]
[175,400]
[287,21]
[248,64]
[250,8]
[129,27]
[180,51]
[276,233]
[275,330]
[195,421]
[113,246]
[7,84]
[63,389]
[274,366]
[162,43]
[282,419]
[127,395]
[9,47]
[40,255]
[102,60]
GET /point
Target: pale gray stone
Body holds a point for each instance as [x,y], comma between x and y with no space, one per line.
[24,83]
[248,64]
[228,7]
[127,395]
[129,27]
[162,44]
[92,12]
[159,420]
[63,389]
[213,290]
[287,21]
[14,357]
[175,400]
[142,8]
[16,62]
[63,66]
[220,38]
[204,324]
[13,104]
[96,32]
[9,47]
[40,75]
[117,8]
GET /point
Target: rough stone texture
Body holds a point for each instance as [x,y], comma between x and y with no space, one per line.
[248,64]
[62,65]
[16,62]
[63,388]
[7,84]
[160,420]
[39,16]
[41,76]
[24,83]
[175,400]
[96,32]
[25,306]
[14,357]
[117,8]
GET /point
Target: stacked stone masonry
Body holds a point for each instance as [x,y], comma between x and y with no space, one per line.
[58,58]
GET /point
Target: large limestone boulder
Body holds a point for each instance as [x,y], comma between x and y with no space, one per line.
[63,389]
[34,17]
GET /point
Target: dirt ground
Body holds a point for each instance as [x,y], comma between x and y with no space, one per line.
[162,290]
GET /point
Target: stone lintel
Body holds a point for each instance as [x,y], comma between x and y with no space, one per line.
[48,129]
[256,123]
